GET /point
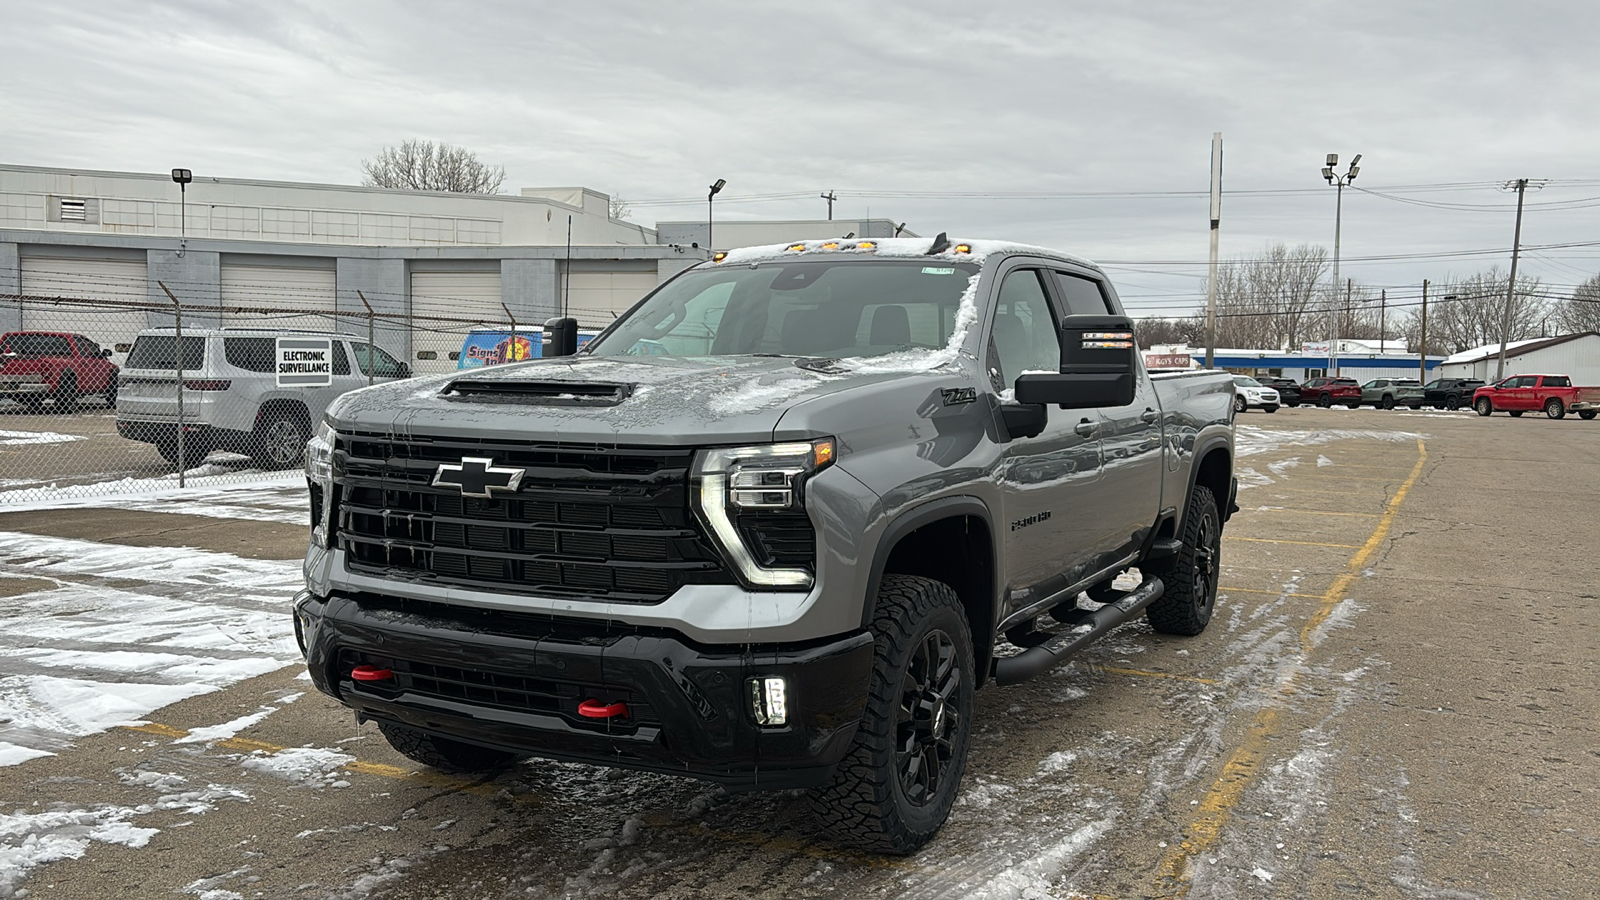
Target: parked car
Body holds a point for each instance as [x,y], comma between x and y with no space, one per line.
[1288,389]
[235,397]
[1387,393]
[1555,394]
[1450,393]
[54,365]
[1325,392]
[1249,393]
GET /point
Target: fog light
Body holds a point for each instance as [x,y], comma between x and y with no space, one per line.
[769,701]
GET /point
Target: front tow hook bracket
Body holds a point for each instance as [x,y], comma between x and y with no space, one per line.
[594,709]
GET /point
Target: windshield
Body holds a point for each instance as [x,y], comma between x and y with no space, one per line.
[814,308]
[1245,381]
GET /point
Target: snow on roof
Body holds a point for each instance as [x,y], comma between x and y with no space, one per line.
[896,247]
[1488,350]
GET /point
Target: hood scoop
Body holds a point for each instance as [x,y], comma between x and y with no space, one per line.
[555,393]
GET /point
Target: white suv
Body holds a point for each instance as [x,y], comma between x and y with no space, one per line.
[231,395]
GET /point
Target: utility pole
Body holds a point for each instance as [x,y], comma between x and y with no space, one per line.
[829,196]
[1216,226]
[1422,352]
[1383,311]
[1521,185]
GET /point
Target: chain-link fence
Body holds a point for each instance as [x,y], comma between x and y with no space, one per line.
[101,395]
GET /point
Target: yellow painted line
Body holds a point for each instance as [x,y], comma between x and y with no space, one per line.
[1299,543]
[1276,487]
[1214,809]
[1299,475]
[1272,593]
[1309,512]
[1145,674]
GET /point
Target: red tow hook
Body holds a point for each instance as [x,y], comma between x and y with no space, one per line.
[371,673]
[594,709]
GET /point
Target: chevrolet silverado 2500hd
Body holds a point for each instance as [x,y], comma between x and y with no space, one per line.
[850,483]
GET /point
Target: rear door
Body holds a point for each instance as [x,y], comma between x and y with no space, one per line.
[95,371]
[1130,439]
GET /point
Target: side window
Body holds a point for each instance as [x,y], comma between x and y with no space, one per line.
[341,362]
[1023,336]
[253,354]
[1082,295]
[1558,381]
[86,347]
[381,364]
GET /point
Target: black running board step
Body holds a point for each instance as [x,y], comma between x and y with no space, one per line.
[1093,626]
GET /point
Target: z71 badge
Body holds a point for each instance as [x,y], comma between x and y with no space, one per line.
[957,396]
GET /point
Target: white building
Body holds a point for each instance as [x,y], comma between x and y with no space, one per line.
[1577,355]
[430,264]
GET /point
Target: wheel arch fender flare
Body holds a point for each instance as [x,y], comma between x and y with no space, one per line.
[944,508]
[1225,491]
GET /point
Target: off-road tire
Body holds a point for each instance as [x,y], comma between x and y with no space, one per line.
[1555,409]
[1190,575]
[1586,414]
[66,395]
[1483,406]
[442,753]
[919,711]
[279,441]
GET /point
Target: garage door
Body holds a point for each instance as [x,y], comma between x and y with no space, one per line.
[445,307]
[300,299]
[93,295]
[595,298]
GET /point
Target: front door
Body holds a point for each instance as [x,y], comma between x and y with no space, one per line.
[1048,482]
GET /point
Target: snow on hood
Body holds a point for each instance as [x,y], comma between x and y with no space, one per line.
[895,247]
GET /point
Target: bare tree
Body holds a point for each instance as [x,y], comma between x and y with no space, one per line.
[619,207]
[425,166]
[1155,330]
[1473,317]
[1273,300]
[1581,312]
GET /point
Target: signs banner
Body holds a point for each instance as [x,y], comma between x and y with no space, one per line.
[305,362]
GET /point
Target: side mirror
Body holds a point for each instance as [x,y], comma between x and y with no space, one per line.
[405,370]
[106,353]
[560,336]
[1099,365]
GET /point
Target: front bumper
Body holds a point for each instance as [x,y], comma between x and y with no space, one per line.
[514,682]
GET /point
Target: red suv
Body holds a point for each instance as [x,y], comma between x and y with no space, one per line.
[55,364]
[1325,392]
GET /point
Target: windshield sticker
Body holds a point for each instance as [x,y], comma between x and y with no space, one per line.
[937,270]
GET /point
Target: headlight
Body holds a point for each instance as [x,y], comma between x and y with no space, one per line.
[761,479]
[319,477]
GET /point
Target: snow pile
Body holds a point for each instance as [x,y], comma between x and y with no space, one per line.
[311,766]
[13,438]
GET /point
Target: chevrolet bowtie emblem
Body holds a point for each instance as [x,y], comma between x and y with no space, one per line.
[477,477]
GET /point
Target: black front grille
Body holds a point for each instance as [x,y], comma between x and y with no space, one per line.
[586,521]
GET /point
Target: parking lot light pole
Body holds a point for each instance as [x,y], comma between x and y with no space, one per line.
[183,177]
[716,188]
[1338,181]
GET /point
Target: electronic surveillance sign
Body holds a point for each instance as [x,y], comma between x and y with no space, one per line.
[305,362]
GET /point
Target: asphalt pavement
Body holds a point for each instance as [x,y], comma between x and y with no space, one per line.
[1397,698]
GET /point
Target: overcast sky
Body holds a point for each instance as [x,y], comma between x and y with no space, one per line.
[1073,125]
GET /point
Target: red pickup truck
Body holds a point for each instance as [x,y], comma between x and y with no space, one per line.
[35,365]
[1555,394]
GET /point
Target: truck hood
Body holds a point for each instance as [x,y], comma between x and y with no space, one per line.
[660,401]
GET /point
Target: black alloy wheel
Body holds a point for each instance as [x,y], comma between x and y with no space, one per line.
[1325,401]
[1387,402]
[1452,402]
[928,718]
[1190,576]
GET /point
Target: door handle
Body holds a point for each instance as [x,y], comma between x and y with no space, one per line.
[1086,428]
[1149,416]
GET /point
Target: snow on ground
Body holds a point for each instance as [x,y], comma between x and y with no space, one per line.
[211,490]
[16,438]
[1250,440]
[128,630]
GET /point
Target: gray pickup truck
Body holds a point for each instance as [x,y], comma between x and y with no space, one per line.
[772,528]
